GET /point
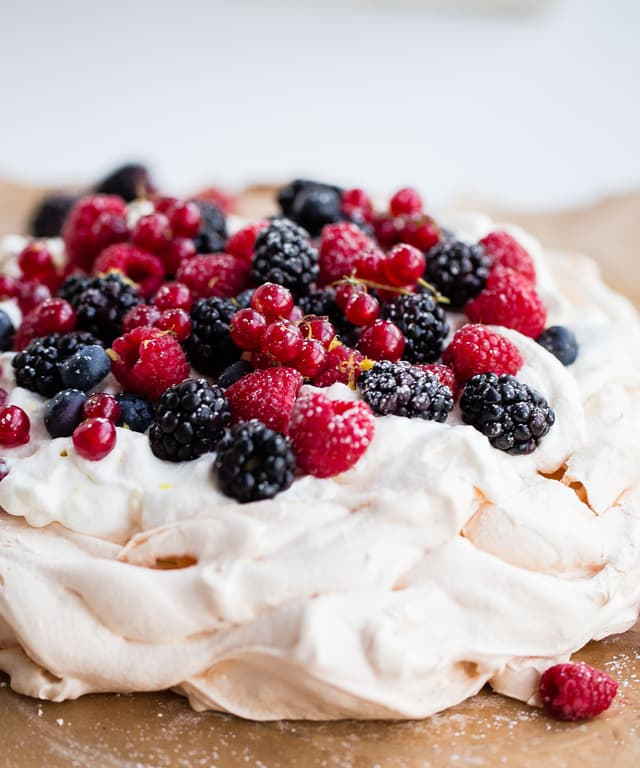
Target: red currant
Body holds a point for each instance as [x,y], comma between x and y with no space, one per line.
[382,341]
[318,328]
[50,316]
[176,321]
[185,219]
[151,232]
[173,296]
[31,293]
[109,227]
[357,204]
[164,204]
[247,328]
[141,315]
[311,359]
[8,287]
[282,340]
[367,265]
[272,300]
[387,230]
[14,426]
[406,200]
[404,265]
[175,252]
[35,260]
[420,231]
[94,438]
[345,291]
[101,405]
[362,309]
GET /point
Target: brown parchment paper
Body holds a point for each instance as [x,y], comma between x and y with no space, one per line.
[159,729]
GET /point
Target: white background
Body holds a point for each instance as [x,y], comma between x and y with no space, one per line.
[537,109]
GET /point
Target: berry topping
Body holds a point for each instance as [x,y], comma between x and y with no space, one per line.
[311,204]
[357,205]
[185,218]
[311,359]
[342,364]
[267,394]
[561,342]
[64,412]
[136,412]
[212,235]
[254,462]
[147,361]
[50,316]
[406,200]
[130,181]
[282,340]
[476,349]
[506,252]
[36,263]
[423,323]
[272,300]
[444,374]
[94,223]
[14,426]
[173,296]
[142,314]
[209,347]
[340,244]
[86,368]
[330,436]
[6,331]
[48,218]
[242,243]
[403,265]
[29,294]
[175,252]
[94,439]
[141,267]
[151,232]
[417,229]
[512,415]
[101,405]
[459,271]
[576,691]
[362,309]
[322,303]
[190,419]
[175,321]
[284,255]
[402,389]
[213,274]
[382,340]
[247,328]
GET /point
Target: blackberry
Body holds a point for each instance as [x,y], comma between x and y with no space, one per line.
[321,302]
[402,389]
[212,236]
[38,366]
[284,255]
[209,346]
[311,204]
[512,415]
[190,419]
[254,462]
[459,271]
[129,181]
[243,299]
[422,321]
[561,342]
[6,331]
[100,303]
[136,412]
[48,216]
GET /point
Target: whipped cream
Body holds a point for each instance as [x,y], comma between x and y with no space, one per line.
[399,588]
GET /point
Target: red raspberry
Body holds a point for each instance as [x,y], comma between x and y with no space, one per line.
[340,244]
[509,300]
[505,251]
[147,361]
[357,204]
[268,395]
[576,691]
[140,315]
[50,316]
[330,436]
[445,375]
[342,364]
[406,200]
[242,243]
[92,224]
[476,349]
[141,267]
[214,274]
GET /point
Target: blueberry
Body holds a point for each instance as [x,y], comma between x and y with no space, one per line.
[233,373]
[64,412]
[561,342]
[6,331]
[86,368]
[135,412]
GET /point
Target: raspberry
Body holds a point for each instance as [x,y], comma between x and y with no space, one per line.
[459,271]
[130,182]
[214,274]
[423,323]
[322,303]
[212,235]
[476,349]
[268,395]
[94,223]
[284,255]
[342,364]
[174,252]
[147,361]
[505,251]
[443,373]
[330,436]
[357,205]
[209,347]
[512,301]
[311,204]
[50,316]
[241,244]
[141,267]
[576,691]
[339,246]
[48,218]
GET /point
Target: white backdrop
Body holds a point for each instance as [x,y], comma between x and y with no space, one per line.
[531,110]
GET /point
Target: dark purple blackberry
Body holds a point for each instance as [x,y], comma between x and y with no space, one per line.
[243,299]
[321,302]
[209,346]
[561,342]
[130,182]
[284,255]
[422,321]
[38,366]
[402,389]
[458,270]
[212,236]
[190,419]
[100,303]
[48,216]
[254,462]
[512,415]
[311,204]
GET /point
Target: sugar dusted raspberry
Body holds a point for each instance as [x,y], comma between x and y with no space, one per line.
[147,361]
[330,436]
[505,251]
[509,300]
[342,364]
[94,223]
[576,691]
[476,349]
[444,374]
[357,205]
[405,201]
[140,315]
[214,274]
[340,244]
[50,316]
[267,394]
[141,267]
[241,244]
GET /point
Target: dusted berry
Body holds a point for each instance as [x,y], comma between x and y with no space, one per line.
[362,309]
[423,323]
[459,271]
[173,296]
[330,436]
[190,419]
[403,265]
[142,314]
[419,230]
[212,235]
[147,361]
[506,252]
[48,217]
[151,232]
[94,223]
[576,691]
[185,219]
[340,245]
[141,267]
[209,347]
[267,394]
[282,340]
[101,405]
[241,244]
[561,342]
[345,291]
[234,372]
[311,204]
[311,359]
[342,364]
[7,331]
[322,303]
[443,373]
[214,274]
[357,205]
[272,300]
[284,255]
[406,200]
[512,415]
[130,182]
[94,439]
[402,389]
[254,462]
[136,412]
[175,321]
[247,328]
[382,340]
[64,412]
[14,426]
[175,252]
[86,368]
[318,328]
[476,349]
[50,316]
